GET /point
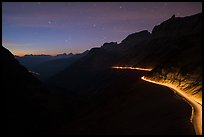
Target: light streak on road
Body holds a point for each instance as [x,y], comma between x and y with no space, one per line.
[196,117]
[144,69]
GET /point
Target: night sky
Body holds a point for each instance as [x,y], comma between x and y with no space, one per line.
[55,28]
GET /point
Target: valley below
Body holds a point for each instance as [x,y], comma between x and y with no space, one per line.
[128,105]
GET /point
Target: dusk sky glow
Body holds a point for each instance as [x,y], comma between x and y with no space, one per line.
[58,27]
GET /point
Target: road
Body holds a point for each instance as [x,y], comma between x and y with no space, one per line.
[196,117]
[144,69]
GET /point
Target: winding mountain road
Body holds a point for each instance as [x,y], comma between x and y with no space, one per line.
[196,117]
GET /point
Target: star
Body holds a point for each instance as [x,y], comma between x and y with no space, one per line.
[49,22]
[94,25]
[120,7]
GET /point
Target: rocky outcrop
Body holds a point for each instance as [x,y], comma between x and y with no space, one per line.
[181,54]
[136,37]
[178,26]
[109,46]
[183,69]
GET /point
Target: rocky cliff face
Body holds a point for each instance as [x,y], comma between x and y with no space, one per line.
[178,26]
[183,67]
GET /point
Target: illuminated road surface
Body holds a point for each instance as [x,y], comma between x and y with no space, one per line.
[144,69]
[196,117]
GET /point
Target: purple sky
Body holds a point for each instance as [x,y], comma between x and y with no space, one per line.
[58,27]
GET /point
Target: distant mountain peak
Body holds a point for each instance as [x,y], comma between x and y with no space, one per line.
[31,55]
[109,45]
[173,16]
[64,55]
[185,25]
[137,36]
